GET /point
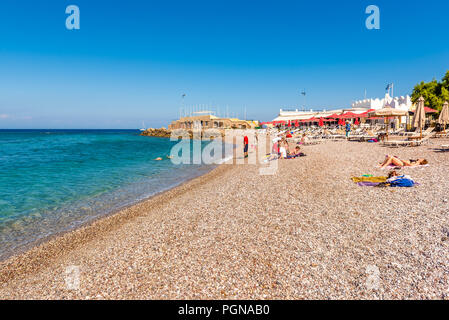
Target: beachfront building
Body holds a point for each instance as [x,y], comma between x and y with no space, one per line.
[357,107]
[400,103]
[206,120]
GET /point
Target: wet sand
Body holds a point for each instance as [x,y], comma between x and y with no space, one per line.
[307,232]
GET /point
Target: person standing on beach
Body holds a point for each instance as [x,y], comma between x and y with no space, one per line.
[245,146]
[348,129]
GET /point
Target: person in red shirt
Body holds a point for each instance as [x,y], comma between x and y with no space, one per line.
[245,146]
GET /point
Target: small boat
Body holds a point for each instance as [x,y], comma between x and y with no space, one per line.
[143,126]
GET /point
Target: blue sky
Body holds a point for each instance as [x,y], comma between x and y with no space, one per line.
[132,60]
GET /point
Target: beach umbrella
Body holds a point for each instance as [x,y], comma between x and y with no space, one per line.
[336,116]
[420,115]
[296,123]
[356,121]
[444,116]
[387,112]
[365,114]
[289,123]
[321,122]
[349,115]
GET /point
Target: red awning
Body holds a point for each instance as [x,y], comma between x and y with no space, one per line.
[428,110]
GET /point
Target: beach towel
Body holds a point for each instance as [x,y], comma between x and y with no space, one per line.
[392,166]
[369,179]
[401,182]
[368,184]
[296,156]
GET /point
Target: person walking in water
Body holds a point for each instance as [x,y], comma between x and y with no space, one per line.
[245,146]
[348,129]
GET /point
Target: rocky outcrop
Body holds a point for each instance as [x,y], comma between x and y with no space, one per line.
[161,133]
[164,133]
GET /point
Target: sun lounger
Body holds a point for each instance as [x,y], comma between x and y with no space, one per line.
[424,134]
[442,135]
[408,143]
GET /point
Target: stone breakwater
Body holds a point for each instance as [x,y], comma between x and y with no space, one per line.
[165,133]
[162,133]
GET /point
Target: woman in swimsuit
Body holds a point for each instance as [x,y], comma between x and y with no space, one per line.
[402,163]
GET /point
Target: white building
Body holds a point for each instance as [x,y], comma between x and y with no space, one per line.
[402,103]
[358,107]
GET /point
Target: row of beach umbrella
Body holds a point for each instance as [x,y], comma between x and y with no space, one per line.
[387,112]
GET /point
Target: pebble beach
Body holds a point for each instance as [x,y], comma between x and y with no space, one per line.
[307,232]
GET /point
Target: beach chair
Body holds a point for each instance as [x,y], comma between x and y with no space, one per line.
[424,140]
[408,143]
[409,133]
[442,135]
[397,143]
[425,133]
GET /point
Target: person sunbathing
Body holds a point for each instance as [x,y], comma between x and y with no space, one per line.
[392,160]
[296,154]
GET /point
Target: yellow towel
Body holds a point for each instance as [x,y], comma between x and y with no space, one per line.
[369,179]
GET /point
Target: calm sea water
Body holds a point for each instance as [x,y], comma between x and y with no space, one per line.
[52,181]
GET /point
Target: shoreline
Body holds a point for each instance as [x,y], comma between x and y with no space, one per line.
[307,232]
[22,249]
[42,251]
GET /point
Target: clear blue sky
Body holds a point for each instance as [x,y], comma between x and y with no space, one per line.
[132,60]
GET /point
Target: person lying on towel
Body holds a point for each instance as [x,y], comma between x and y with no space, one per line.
[296,154]
[392,160]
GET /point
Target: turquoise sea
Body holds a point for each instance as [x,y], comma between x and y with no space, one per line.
[55,180]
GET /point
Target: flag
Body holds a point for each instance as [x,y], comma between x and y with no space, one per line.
[389,86]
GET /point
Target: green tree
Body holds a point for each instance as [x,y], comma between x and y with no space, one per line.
[434,92]
[445,81]
[444,94]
